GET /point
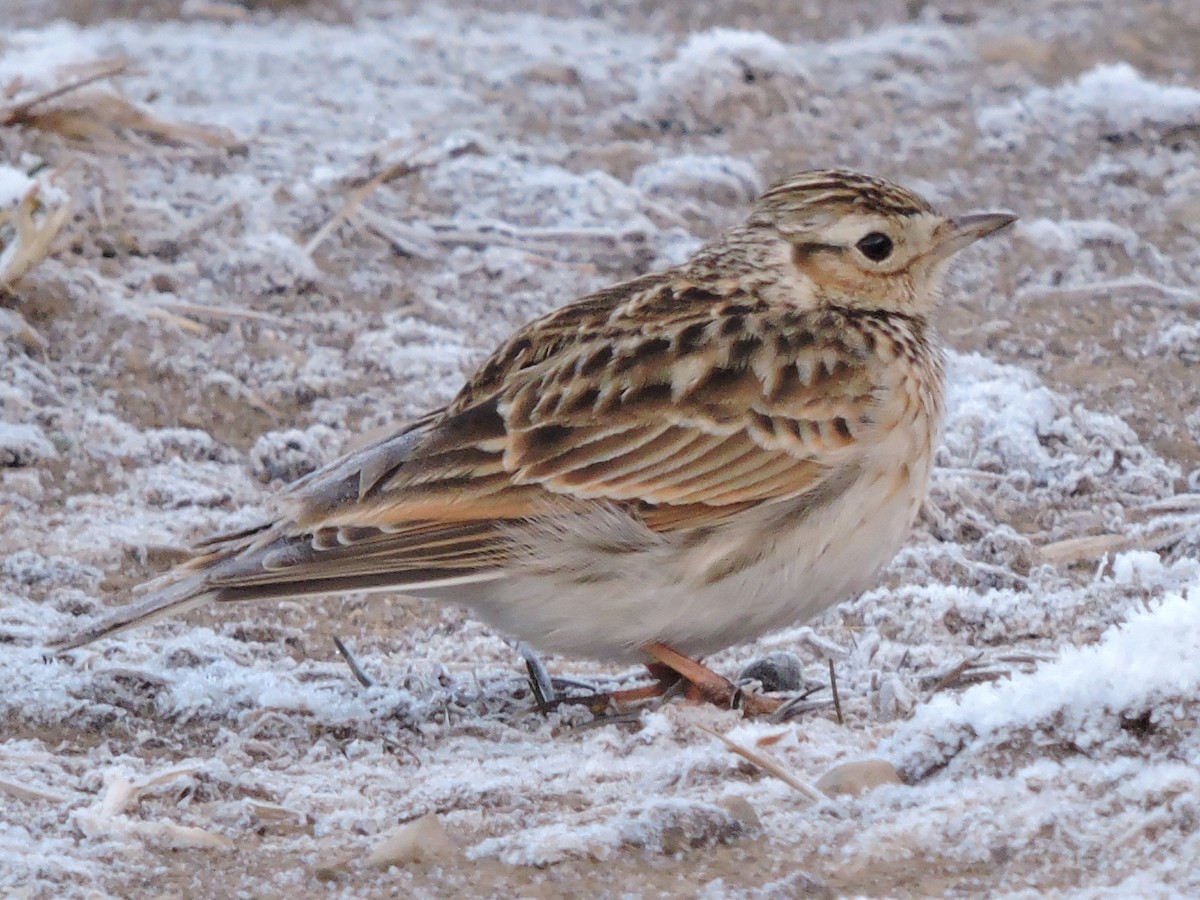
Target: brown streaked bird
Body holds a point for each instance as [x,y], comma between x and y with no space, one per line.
[661,469]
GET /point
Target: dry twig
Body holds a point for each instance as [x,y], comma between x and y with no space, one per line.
[360,676]
[837,701]
[101,69]
[417,161]
[1162,523]
[1163,294]
[31,794]
[26,233]
[768,765]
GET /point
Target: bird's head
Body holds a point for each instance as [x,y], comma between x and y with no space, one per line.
[856,241]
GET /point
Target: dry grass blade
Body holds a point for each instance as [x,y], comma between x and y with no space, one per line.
[1135,287]
[837,700]
[799,706]
[409,240]
[1180,503]
[539,676]
[541,242]
[981,669]
[423,240]
[768,765]
[120,793]
[417,161]
[23,792]
[355,669]
[99,70]
[178,321]
[104,115]
[1074,550]
[101,115]
[221,312]
[821,645]
[32,227]
[13,325]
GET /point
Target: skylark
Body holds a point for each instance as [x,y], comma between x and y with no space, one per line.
[661,469]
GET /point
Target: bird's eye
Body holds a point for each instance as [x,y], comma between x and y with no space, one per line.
[876,246]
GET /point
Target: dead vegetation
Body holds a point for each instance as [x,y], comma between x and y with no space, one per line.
[79,110]
[86,114]
[28,230]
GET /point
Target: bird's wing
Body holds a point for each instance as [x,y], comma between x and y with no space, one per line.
[726,406]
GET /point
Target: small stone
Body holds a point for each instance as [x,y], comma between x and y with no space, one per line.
[23,445]
[553,73]
[332,867]
[780,671]
[857,777]
[742,810]
[679,826]
[418,841]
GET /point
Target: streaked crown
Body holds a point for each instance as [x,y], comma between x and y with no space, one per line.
[825,192]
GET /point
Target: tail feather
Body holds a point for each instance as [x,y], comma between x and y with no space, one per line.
[267,563]
[171,599]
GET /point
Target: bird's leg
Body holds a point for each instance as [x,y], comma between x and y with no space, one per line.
[666,682]
[665,678]
[705,684]
[539,676]
[675,673]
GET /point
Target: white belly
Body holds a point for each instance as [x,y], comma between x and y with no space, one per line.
[796,562]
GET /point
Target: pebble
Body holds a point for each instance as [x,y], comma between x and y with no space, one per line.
[780,671]
[857,777]
[421,840]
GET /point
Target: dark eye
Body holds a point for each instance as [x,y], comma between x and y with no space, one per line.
[875,246]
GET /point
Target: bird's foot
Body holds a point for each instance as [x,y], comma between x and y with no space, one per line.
[674,675]
[703,685]
[667,683]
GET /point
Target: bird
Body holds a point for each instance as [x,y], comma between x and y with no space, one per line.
[659,470]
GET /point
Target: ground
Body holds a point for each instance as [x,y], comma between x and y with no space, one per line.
[277,228]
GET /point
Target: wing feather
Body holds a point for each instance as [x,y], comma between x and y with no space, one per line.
[778,419]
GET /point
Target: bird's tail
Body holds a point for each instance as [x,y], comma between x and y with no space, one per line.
[174,598]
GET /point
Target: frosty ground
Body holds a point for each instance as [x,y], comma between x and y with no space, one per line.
[325,215]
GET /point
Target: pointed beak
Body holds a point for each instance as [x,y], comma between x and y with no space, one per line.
[966,230]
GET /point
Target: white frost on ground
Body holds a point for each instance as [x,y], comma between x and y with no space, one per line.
[207,338]
[13,186]
[1140,667]
[1112,100]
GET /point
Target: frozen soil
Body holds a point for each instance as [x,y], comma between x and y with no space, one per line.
[200,337]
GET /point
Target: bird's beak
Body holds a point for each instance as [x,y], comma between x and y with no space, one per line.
[966,230]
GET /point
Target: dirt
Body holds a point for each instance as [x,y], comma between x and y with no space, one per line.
[237,378]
